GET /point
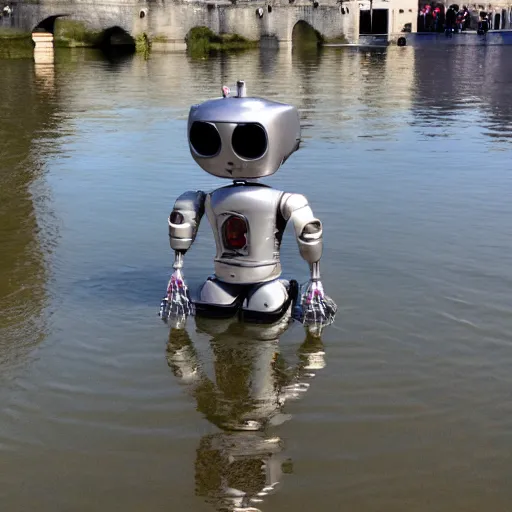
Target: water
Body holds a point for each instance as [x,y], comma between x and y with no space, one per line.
[406,161]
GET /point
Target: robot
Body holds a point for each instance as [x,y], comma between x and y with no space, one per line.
[243,139]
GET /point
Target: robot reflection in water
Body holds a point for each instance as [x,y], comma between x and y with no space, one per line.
[240,381]
[243,139]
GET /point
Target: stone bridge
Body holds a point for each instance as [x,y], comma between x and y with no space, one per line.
[269,21]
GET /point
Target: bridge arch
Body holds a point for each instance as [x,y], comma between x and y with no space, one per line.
[305,36]
[326,22]
[48,24]
[118,38]
[77,32]
[78,26]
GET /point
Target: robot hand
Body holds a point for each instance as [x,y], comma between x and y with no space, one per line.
[176,305]
[183,225]
[314,308]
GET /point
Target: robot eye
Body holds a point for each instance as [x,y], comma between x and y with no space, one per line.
[205,139]
[249,141]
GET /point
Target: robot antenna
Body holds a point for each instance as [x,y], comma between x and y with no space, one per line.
[241,89]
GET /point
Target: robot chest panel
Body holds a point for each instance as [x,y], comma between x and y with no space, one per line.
[244,219]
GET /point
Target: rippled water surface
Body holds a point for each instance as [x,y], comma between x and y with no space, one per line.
[405,403]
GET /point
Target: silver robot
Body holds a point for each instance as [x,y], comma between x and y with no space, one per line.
[242,139]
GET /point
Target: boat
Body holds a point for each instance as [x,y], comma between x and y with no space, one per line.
[467,38]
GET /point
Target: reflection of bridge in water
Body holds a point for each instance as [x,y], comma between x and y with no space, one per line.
[243,394]
[28,113]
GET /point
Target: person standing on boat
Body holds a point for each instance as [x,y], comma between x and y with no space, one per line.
[466,18]
[421,20]
[451,17]
[488,18]
[437,19]
[428,18]
[483,26]
[460,20]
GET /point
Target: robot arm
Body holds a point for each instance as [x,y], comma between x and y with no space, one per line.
[315,309]
[183,224]
[184,220]
[308,229]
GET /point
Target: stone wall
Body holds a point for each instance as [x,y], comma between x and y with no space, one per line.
[175,20]
[171,20]
[97,16]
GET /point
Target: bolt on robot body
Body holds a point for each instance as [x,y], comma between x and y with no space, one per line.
[244,139]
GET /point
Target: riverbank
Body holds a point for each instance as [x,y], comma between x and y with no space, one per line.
[74,34]
[15,44]
[201,41]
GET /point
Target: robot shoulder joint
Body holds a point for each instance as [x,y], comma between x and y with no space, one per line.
[192,201]
[291,203]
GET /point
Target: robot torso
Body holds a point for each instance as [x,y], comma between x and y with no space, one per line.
[248,228]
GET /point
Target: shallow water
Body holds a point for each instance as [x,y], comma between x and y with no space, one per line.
[406,159]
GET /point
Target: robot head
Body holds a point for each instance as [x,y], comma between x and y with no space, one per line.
[242,138]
